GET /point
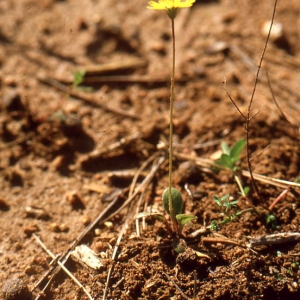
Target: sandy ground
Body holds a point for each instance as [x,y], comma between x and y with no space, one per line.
[68,155]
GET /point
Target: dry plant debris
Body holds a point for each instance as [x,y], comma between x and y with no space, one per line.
[84,126]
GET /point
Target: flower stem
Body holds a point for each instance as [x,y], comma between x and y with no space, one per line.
[173,217]
[237,179]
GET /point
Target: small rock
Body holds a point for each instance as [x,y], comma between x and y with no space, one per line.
[63,227]
[86,220]
[108,224]
[187,172]
[11,101]
[36,213]
[159,47]
[3,204]
[15,289]
[217,47]
[276,32]
[14,176]
[30,270]
[97,232]
[29,230]
[57,163]
[74,199]
[54,227]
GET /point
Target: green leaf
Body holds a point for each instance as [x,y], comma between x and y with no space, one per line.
[78,77]
[183,219]
[224,197]
[246,190]
[217,200]
[226,161]
[176,201]
[214,226]
[236,150]
[297,179]
[270,218]
[225,148]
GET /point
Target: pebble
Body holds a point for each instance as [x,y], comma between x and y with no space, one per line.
[86,220]
[276,32]
[57,163]
[29,270]
[11,101]
[158,47]
[108,224]
[73,198]
[29,230]
[63,227]
[15,289]
[54,227]
[97,232]
[3,204]
[36,213]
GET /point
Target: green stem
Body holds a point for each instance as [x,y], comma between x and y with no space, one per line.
[173,217]
[232,218]
[237,179]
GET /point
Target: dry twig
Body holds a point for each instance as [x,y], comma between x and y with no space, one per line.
[87,97]
[55,269]
[272,239]
[62,266]
[132,194]
[206,164]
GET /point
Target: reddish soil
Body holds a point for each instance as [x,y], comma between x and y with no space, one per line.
[68,156]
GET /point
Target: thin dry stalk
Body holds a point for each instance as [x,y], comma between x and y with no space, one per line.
[141,169]
[55,269]
[122,232]
[247,125]
[274,239]
[88,98]
[133,193]
[62,266]
[248,116]
[137,227]
[293,126]
[144,183]
[221,240]
[133,183]
[176,286]
[280,197]
[143,166]
[206,164]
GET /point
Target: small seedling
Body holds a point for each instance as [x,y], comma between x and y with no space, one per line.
[177,204]
[293,269]
[180,219]
[280,277]
[229,211]
[271,221]
[78,79]
[229,160]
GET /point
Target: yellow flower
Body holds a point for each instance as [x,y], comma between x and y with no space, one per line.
[170,6]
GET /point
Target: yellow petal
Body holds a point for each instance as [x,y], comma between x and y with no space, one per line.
[156,6]
[169,4]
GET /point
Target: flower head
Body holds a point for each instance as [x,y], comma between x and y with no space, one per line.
[170,6]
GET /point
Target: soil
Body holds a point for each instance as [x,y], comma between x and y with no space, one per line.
[69,155]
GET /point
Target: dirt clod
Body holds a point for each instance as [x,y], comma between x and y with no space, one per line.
[84,125]
[15,289]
